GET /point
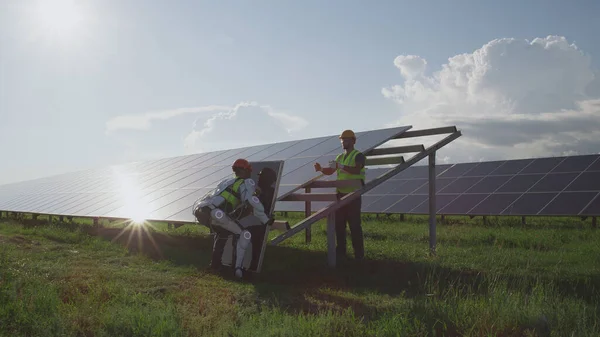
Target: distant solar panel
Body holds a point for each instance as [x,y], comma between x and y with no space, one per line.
[542,186]
[593,208]
[483,168]
[512,166]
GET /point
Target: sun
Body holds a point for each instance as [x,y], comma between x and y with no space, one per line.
[131,195]
[58,19]
[134,207]
[138,219]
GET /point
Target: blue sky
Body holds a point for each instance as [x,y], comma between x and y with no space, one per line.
[312,62]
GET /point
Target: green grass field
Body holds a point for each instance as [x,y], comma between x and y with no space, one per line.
[497,279]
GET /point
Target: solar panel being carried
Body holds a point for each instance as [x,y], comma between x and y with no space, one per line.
[561,186]
[165,189]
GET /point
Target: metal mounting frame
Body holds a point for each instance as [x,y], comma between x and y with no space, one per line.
[329,211]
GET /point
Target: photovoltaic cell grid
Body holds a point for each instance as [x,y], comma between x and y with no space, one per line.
[162,189]
[542,186]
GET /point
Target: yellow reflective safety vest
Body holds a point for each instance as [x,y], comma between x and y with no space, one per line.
[232,195]
[348,160]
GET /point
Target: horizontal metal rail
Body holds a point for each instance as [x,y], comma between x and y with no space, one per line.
[313,197]
[396,150]
[384,161]
[334,183]
[427,132]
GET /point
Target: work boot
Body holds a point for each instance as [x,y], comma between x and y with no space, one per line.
[239,273]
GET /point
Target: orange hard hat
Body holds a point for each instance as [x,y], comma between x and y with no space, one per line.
[348,134]
[242,163]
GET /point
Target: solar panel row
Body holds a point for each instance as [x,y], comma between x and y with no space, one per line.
[542,186]
[165,189]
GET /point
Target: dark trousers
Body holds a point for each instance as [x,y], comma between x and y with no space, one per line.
[349,214]
[220,239]
[258,233]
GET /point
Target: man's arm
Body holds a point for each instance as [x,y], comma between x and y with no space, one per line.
[325,170]
[360,161]
[247,194]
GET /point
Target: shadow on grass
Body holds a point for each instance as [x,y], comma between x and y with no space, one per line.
[291,275]
[299,281]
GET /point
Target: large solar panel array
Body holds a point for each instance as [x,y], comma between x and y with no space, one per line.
[541,186]
[538,186]
[165,189]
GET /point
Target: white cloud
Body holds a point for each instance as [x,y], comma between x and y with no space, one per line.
[246,124]
[411,66]
[511,98]
[143,121]
[219,127]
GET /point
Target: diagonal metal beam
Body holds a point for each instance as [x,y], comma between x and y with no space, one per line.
[369,186]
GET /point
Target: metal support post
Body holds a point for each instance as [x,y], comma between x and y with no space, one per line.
[331,254]
[307,213]
[432,206]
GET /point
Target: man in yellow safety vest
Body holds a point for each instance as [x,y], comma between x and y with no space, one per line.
[349,165]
